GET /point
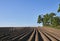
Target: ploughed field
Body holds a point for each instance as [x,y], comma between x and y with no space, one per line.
[29,34]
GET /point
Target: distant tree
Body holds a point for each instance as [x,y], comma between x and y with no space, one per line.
[39,19]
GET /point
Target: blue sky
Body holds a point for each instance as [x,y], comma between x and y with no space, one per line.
[25,12]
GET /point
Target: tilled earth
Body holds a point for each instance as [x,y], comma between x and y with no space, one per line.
[29,34]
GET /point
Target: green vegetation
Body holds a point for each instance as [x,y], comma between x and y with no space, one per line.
[59,8]
[50,19]
[39,19]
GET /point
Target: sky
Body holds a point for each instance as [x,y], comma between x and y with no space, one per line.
[25,12]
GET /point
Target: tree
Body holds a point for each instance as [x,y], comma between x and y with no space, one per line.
[49,19]
[59,8]
[59,11]
[55,21]
[46,20]
[39,19]
[51,15]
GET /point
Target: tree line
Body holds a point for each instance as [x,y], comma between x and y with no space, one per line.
[49,19]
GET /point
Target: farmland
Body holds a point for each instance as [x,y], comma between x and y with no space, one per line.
[29,34]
